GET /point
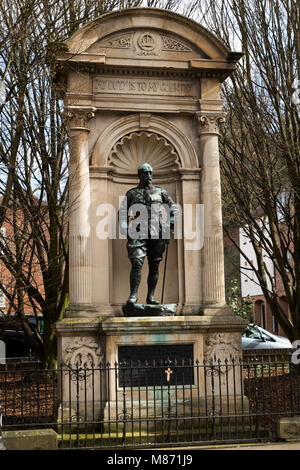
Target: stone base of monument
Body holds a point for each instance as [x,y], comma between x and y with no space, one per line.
[80,417]
[107,394]
[208,336]
[135,403]
[180,418]
[147,310]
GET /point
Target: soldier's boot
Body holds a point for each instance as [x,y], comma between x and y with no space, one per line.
[135,279]
[152,281]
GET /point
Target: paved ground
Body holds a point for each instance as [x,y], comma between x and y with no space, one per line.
[292,445]
[264,446]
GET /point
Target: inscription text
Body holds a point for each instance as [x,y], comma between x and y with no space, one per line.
[144,86]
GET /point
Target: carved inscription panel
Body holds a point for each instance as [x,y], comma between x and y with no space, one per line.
[145,86]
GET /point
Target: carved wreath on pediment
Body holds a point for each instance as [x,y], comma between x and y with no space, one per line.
[221,347]
[147,43]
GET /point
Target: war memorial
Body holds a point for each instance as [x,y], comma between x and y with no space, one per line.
[143,107]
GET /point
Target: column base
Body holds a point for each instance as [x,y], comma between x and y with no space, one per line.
[213,309]
[209,309]
[88,311]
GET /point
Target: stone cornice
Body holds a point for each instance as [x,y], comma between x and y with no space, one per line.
[76,326]
[172,324]
[136,70]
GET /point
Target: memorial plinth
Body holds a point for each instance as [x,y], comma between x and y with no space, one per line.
[143,85]
[144,310]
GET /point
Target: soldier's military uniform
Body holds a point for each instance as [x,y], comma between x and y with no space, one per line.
[158,233]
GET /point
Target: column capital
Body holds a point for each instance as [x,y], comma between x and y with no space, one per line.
[77,118]
[209,122]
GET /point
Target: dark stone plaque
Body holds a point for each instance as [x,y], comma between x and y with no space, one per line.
[156,365]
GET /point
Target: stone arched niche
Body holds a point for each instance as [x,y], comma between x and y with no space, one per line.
[146,123]
[118,152]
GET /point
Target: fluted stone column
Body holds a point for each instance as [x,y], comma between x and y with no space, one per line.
[213,283]
[79,217]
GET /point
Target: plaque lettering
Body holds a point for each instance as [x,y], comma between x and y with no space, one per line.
[159,365]
[144,86]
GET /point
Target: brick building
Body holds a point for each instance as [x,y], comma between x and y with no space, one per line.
[17,299]
[236,266]
[262,314]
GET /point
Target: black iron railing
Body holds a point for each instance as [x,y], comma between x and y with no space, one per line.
[151,404]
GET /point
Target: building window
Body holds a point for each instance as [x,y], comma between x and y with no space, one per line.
[263,316]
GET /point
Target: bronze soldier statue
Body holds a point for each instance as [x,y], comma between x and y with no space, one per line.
[152,236]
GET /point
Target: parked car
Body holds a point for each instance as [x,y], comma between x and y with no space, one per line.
[255,337]
[12,334]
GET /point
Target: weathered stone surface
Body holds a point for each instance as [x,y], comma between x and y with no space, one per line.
[288,427]
[173,324]
[145,79]
[145,310]
[234,411]
[35,439]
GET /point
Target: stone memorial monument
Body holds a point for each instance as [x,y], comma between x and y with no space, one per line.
[143,85]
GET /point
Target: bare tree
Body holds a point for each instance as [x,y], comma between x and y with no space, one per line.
[261,141]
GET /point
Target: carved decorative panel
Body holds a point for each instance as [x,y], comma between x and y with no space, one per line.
[139,147]
[145,43]
[123,41]
[170,44]
[221,346]
[84,352]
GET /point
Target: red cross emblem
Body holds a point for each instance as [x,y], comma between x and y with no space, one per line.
[168,372]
